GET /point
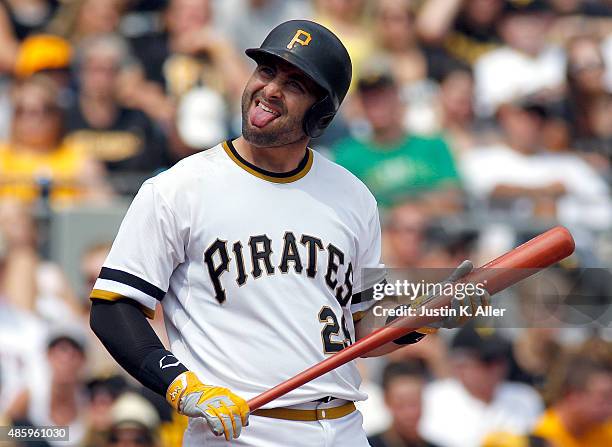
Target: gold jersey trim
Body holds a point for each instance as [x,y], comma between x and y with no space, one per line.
[98,294]
[275,177]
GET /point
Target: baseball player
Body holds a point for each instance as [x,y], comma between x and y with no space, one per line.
[255,249]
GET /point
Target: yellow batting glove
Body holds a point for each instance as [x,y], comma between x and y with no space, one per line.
[225,412]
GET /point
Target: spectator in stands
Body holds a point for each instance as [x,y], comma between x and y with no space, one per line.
[397,43]
[44,53]
[78,19]
[22,339]
[103,393]
[520,178]
[35,162]
[458,32]
[9,42]
[580,414]
[124,139]
[395,34]
[29,16]
[135,422]
[38,53]
[403,385]
[462,410]
[30,283]
[191,52]
[404,235]
[534,351]
[457,121]
[525,65]
[257,17]
[394,165]
[346,18]
[59,400]
[586,105]
[189,60]
[447,245]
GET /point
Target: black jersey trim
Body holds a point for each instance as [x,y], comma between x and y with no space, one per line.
[366,295]
[277,177]
[133,281]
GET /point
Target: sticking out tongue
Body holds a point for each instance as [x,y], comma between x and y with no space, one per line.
[259,117]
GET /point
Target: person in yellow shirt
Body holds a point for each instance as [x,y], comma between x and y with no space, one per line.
[581,410]
[347,19]
[35,161]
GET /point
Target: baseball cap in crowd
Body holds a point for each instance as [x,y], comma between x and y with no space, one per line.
[375,74]
[525,6]
[375,82]
[133,410]
[72,333]
[113,386]
[486,345]
[135,417]
[42,52]
[529,104]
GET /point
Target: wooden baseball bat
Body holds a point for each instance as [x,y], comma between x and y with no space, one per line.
[538,253]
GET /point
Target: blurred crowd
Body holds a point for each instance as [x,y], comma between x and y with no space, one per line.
[476,124]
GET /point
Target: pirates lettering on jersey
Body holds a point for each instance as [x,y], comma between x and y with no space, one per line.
[219,261]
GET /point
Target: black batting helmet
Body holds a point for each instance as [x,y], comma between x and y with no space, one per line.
[318,53]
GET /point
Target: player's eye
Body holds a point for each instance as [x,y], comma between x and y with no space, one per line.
[297,86]
[266,71]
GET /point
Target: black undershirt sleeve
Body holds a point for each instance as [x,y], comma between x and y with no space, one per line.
[125,332]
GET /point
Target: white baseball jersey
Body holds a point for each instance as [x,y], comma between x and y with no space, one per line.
[258,273]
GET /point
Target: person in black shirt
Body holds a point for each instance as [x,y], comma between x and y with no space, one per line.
[124,139]
[403,386]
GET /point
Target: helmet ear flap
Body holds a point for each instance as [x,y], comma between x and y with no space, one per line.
[318,117]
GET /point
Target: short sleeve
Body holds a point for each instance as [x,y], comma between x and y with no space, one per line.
[369,270]
[148,247]
[446,164]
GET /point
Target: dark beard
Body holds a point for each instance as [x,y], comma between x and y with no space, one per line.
[291,132]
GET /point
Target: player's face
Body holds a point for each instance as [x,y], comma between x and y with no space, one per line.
[274,102]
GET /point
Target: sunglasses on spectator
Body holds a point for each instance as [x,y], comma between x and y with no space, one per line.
[45,111]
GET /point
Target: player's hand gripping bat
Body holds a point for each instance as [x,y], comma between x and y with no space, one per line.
[536,254]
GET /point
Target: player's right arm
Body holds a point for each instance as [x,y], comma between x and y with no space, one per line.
[149,246]
[123,329]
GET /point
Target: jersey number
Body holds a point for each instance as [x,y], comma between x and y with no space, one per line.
[331,328]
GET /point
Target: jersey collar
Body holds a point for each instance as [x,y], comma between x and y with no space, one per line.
[276,177]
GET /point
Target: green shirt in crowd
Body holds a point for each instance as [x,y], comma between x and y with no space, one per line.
[393,173]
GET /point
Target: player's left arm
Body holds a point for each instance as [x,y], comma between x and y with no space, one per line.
[370,273]
[369,320]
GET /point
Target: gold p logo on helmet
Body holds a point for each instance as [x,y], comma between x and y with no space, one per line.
[297,38]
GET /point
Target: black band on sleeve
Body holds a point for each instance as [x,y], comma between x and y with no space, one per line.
[408,339]
[127,335]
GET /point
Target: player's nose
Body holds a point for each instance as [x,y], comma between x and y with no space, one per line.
[272,90]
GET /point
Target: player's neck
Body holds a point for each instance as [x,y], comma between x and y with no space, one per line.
[273,159]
